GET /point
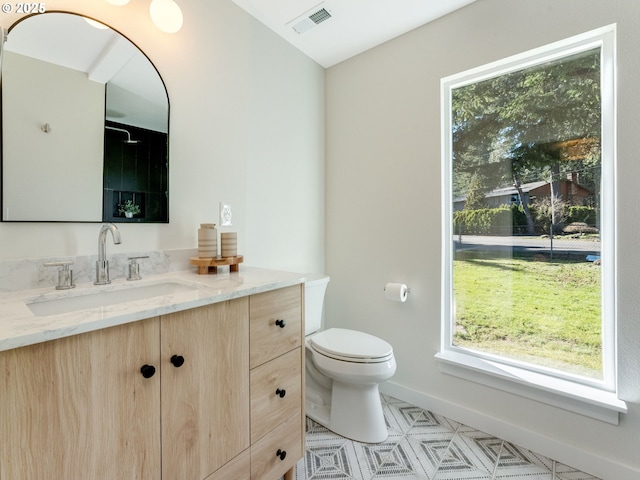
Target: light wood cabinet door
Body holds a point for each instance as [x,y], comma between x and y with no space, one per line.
[78,408]
[276,323]
[237,469]
[205,399]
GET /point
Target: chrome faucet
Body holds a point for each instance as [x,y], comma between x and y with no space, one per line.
[102,265]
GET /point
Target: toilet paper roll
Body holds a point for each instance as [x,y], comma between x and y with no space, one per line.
[396,291]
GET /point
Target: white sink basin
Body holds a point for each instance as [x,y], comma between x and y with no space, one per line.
[103,298]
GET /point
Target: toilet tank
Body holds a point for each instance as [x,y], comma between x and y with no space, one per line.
[314,287]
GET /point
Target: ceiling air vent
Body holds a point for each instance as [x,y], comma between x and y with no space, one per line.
[310,20]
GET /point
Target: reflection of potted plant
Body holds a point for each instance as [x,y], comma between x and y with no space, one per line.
[129,209]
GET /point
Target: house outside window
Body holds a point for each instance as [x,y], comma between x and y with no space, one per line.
[528,220]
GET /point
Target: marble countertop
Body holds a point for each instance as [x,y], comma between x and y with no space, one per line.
[19,326]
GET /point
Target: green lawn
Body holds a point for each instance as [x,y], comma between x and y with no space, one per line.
[547,313]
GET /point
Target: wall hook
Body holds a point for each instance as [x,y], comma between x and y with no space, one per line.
[46,128]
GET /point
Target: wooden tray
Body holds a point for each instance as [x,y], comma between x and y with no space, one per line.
[210,265]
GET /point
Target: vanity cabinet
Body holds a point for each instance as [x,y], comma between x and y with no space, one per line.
[211,393]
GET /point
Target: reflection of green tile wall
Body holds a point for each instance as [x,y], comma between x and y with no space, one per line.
[135,171]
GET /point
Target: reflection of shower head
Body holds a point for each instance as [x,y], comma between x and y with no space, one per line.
[128,140]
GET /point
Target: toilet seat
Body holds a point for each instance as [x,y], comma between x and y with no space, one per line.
[351,346]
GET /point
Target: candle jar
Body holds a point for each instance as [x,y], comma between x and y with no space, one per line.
[229,244]
[207,240]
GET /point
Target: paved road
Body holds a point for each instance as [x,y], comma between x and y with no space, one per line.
[526,243]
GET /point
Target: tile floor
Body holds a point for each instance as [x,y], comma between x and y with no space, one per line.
[424,446]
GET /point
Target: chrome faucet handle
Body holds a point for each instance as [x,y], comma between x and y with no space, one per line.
[134,267]
[65,274]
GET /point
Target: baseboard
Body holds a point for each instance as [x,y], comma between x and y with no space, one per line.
[600,467]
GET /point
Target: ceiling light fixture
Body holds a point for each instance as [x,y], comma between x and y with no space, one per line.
[166,15]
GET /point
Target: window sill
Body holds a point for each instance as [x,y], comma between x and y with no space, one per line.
[589,401]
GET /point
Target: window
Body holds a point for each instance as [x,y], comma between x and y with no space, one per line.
[528,220]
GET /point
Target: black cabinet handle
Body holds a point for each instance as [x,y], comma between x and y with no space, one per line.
[280,323]
[148,371]
[281,392]
[177,360]
[281,453]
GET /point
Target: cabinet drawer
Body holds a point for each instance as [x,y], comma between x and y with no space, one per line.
[276,393]
[279,451]
[269,339]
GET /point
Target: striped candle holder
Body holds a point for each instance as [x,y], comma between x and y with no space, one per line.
[229,244]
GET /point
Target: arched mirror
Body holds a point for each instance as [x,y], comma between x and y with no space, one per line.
[85,123]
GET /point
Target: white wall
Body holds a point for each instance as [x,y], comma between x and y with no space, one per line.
[35,93]
[246,128]
[384,213]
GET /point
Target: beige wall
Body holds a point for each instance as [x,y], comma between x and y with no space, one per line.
[384,213]
[246,128]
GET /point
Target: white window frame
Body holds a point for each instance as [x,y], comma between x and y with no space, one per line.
[596,399]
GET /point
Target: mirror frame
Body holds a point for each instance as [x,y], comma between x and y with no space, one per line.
[106,121]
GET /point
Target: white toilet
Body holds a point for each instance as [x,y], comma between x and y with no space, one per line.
[343,370]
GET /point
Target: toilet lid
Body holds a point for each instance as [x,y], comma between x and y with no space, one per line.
[351,345]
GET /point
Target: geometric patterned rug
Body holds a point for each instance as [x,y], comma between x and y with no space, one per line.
[424,446]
